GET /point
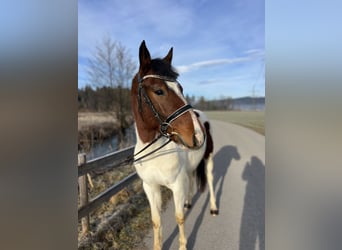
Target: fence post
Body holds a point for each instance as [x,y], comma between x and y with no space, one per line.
[83,189]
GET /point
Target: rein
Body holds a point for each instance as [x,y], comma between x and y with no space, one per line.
[153,151]
[132,158]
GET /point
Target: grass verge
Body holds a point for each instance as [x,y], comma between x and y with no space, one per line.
[254,120]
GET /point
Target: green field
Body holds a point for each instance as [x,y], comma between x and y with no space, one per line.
[254,120]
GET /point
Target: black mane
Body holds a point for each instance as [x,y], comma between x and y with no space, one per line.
[163,68]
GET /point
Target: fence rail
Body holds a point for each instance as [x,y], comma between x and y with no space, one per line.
[108,161]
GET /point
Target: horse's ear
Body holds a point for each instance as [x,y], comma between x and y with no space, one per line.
[168,57]
[144,56]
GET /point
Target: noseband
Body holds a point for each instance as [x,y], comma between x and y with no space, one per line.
[164,124]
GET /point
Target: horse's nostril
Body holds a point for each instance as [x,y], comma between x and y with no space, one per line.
[198,139]
[194,140]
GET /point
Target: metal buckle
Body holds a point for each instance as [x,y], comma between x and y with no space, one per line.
[163,128]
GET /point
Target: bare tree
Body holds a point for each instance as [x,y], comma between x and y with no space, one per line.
[111,65]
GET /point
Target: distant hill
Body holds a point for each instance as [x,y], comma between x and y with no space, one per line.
[242,103]
[248,103]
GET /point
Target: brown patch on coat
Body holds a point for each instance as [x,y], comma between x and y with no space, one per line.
[146,123]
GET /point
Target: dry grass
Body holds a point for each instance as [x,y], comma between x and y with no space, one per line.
[96,119]
[95,127]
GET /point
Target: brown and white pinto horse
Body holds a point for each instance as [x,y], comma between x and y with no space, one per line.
[174,143]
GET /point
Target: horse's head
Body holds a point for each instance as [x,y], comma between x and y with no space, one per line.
[158,103]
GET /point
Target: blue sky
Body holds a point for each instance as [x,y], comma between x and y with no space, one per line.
[218,46]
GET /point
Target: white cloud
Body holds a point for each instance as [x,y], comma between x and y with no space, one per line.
[210,63]
[255,52]
[224,80]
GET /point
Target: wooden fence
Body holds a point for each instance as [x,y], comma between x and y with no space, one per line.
[109,161]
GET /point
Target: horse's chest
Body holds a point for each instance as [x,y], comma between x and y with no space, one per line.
[163,172]
[165,166]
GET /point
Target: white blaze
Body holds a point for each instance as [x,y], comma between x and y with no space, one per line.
[198,131]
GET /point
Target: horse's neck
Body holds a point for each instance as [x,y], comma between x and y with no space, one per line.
[145,135]
[144,138]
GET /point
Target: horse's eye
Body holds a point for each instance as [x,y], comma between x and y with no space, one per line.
[159,92]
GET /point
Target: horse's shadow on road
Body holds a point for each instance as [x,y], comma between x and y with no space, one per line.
[222,161]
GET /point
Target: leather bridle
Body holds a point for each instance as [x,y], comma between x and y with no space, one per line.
[164,123]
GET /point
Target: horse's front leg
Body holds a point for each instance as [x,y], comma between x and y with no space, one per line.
[154,197]
[180,190]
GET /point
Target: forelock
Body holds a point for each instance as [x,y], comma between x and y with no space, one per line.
[163,68]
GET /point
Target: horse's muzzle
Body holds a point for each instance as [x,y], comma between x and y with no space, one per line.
[198,140]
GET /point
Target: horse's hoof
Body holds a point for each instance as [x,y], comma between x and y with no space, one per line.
[214,212]
[187,206]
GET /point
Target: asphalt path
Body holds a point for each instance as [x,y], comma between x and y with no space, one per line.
[239,182]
